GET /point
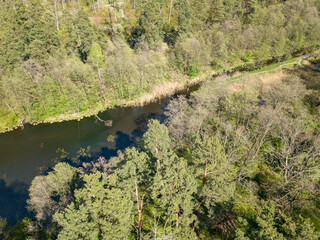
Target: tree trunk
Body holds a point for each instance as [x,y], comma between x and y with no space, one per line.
[205,174]
[139,207]
[111,25]
[55,2]
[177,222]
[171,3]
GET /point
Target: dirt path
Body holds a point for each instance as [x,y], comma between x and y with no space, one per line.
[298,61]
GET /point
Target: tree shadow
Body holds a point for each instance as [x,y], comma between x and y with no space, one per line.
[13,201]
[123,140]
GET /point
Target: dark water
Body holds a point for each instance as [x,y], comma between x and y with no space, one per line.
[23,152]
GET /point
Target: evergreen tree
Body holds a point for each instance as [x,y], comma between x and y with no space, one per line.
[212,168]
[99,211]
[84,34]
[199,14]
[151,23]
[13,39]
[135,178]
[217,11]
[156,141]
[96,55]
[174,189]
[183,9]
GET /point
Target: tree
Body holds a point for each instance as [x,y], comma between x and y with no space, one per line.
[96,55]
[156,141]
[151,23]
[173,190]
[84,33]
[3,225]
[199,14]
[13,39]
[55,4]
[99,211]
[183,9]
[135,177]
[270,223]
[41,34]
[217,12]
[211,166]
[51,193]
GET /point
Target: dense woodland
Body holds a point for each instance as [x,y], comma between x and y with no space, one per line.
[233,161]
[67,58]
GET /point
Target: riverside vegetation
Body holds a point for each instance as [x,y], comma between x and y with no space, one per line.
[236,160]
[65,59]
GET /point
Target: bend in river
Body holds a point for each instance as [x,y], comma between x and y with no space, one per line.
[24,151]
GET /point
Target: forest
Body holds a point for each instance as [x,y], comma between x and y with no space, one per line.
[237,160]
[65,59]
[234,160]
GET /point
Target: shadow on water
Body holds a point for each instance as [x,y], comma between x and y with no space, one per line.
[13,201]
[123,140]
[23,152]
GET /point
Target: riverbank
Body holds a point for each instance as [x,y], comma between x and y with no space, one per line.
[166,89]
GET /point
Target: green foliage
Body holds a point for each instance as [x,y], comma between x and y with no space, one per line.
[193,70]
[20,231]
[98,212]
[48,194]
[151,24]
[240,164]
[3,225]
[230,165]
[96,54]
[84,33]
[156,141]
[36,83]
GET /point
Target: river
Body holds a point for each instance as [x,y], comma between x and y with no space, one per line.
[24,151]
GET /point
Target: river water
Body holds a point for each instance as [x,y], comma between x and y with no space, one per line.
[24,151]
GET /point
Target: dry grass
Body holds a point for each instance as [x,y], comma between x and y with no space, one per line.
[167,89]
[258,82]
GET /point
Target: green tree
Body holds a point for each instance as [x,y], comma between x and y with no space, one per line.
[99,211]
[135,178]
[96,55]
[151,23]
[84,33]
[211,166]
[217,11]
[3,226]
[174,189]
[156,141]
[13,37]
[199,15]
[51,193]
[183,9]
